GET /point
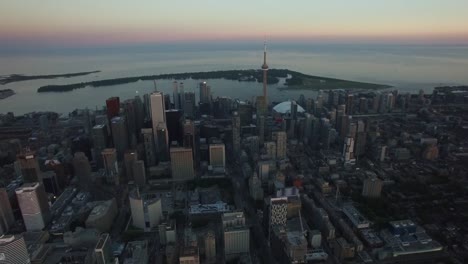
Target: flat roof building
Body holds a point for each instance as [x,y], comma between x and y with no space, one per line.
[182,164]
[33,202]
[102,216]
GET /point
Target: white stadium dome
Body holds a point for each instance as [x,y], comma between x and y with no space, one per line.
[285,108]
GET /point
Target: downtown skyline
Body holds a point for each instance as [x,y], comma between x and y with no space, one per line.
[101,23]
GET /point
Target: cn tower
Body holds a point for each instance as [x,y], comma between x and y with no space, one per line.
[265,69]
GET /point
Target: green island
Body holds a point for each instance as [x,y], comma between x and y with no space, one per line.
[297,80]
[21,77]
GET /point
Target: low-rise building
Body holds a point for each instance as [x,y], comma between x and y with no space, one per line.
[102,216]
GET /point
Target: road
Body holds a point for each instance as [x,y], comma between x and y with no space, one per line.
[242,201]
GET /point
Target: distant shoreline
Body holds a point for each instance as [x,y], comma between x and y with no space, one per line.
[297,81]
[21,77]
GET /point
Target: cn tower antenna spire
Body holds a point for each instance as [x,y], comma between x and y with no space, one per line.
[265,79]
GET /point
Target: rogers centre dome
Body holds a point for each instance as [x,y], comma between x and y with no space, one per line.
[285,108]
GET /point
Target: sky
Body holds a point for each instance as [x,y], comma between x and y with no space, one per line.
[26,23]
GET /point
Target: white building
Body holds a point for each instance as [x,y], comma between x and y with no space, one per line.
[146,210]
[32,200]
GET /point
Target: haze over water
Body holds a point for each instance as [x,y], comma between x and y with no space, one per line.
[406,67]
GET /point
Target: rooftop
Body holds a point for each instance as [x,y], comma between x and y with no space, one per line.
[285,108]
[355,216]
[218,207]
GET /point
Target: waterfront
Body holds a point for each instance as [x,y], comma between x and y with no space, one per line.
[407,68]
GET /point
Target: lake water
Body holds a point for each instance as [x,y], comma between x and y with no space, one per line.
[408,68]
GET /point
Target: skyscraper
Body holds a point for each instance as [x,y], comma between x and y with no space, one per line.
[32,200]
[13,250]
[175,95]
[130,117]
[265,79]
[29,166]
[7,218]
[236,133]
[189,134]
[182,164]
[261,129]
[158,118]
[158,113]
[162,145]
[205,93]
[280,137]
[111,167]
[271,149]
[148,142]
[293,110]
[181,95]
[113,107]
[99,142]
[130,157]
[349,104]
[348,149]
[119,135]
[174,119]
[139,115]
[139,173]
[82,169]
[189,104]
